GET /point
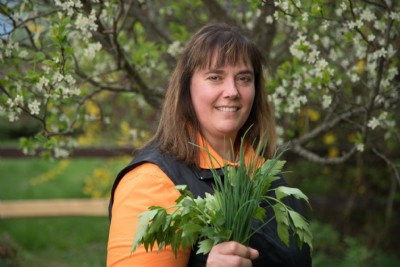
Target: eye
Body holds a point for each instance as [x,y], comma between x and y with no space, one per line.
[214,78]
[245,79]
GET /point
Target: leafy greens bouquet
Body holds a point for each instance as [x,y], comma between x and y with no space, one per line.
[228,214]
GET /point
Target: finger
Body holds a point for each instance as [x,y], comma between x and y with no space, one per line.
[235,248]
[253,253]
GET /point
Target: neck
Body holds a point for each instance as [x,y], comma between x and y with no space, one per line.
[223,146]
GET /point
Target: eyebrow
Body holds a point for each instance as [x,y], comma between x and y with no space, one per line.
[220,71]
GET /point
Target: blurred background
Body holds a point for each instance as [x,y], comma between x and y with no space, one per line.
[82,82]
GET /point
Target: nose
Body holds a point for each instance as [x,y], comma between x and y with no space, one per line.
[230,89]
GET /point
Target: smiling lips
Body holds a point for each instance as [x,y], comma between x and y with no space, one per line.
[228,109]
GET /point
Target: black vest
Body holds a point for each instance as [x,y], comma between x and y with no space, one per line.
[273,253]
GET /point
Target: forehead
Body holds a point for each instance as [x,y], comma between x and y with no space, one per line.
[218,59]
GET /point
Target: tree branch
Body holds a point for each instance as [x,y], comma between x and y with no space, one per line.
[217,11]
[326,125]
[390,163]
[311,156]
[111,45]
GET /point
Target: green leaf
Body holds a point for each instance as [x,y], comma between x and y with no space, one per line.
[182,188]
[205,246]
[139,236]
[284,191]
[283,233]
[190,228]
[158,221]
[272,167]
[260,213]
[298,220]
[147,216]
[281,214]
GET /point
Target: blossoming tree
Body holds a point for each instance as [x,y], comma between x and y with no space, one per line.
[83,69]
[333,68]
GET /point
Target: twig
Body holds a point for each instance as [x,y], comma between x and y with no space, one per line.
[389,163]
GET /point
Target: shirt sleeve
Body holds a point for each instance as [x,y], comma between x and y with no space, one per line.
[139,189]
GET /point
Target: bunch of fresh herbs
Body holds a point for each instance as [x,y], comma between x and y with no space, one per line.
[229,213]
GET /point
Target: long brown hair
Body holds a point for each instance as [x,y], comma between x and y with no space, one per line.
[179,125]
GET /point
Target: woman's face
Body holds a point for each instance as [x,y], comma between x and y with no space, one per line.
[222,98]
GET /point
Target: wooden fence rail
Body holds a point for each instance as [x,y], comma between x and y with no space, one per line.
[53,207]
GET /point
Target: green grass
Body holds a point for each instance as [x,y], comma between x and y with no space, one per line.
[54,241]
[41,179]
[61,241]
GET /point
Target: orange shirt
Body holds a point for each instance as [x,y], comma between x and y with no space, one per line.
[145,186]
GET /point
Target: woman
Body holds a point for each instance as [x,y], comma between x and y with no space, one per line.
[215,94]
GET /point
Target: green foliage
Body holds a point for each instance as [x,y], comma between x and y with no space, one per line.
[331,250]
[54,241]
[62,241]
[338,59]
[35,178]
[226,215]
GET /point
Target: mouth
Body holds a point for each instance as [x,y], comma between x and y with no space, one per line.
[228,109]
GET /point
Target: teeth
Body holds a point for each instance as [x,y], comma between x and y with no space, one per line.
[228,109]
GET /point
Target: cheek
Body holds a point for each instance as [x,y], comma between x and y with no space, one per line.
[249,97]
[201,96]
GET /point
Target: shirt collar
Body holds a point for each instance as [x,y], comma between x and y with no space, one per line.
[209,158]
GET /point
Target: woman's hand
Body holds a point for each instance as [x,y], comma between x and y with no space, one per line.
[231,254]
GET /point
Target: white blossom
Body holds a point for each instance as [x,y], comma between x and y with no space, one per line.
[325,25]
[355,24]
[90,51]
[68,6]
[379,53]
[354,77]
[10,47]
[367,15]
[13,116]
[312,56]
[58,77]
[296,49]
[345,63]
[391,51]
[34,107]
[269,19]
[343,5]
[326,101]
[297,83]
[377,121]
[19,100]
[279,133]
[86,24]
[373,123]
[308,85]
[371,37]
[379,25]
[43,81]
[339,12]
[326,42]
[69,79]
[60,152]
[360,147]
[276,15]
[175,48]
[395,15]
[281,91]
[23,54]
[304,16]
[295,101]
